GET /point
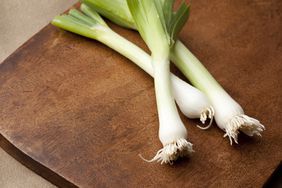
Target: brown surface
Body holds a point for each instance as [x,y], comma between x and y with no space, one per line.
[85,113]
[20,20]
[39,169]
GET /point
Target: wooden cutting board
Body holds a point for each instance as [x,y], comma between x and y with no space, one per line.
[78,113]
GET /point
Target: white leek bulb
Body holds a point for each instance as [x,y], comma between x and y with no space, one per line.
[192,102]
[229,115]
[172,132]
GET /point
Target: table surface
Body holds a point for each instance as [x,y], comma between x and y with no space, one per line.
[79,114]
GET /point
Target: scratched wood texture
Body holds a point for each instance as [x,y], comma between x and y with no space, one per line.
[78,113]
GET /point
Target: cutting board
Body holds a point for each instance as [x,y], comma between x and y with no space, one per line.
[78,113]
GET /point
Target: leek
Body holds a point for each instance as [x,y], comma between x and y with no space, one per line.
[158,25]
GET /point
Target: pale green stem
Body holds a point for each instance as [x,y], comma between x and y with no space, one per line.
[127,49]
[194,70]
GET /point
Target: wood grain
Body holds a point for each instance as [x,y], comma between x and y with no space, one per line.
[82,113]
